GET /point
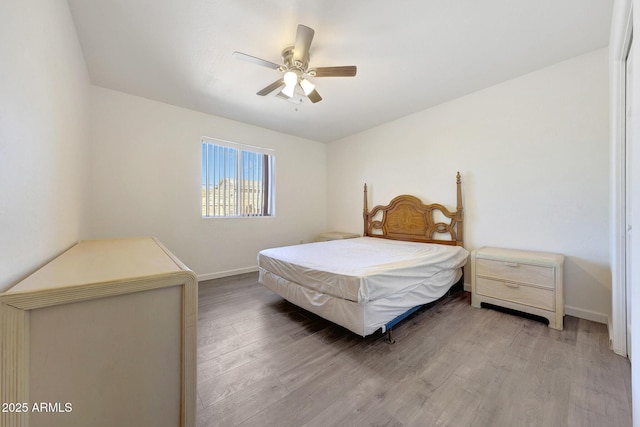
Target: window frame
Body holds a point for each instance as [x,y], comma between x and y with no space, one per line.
[239,168]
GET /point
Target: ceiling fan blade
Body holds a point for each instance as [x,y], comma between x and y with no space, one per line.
[344,71]
[254,60]
[304,36]
[273,86]
[314,96]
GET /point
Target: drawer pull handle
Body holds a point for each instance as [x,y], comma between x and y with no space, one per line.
[512,285]
[511,264]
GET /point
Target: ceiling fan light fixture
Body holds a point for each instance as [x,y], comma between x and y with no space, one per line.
[289,90]
[290,78]
[307,86]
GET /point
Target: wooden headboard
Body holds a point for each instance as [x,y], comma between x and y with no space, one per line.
[407,218]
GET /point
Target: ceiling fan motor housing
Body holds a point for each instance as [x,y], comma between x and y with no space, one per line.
[291,64]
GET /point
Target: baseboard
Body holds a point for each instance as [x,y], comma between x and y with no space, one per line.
[586,314]
[467,287]
[209,276]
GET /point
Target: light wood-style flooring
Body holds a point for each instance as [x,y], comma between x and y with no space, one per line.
[264,362]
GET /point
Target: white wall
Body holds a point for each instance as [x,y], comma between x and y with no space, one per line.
[146,170]
[533,152]
[43,135]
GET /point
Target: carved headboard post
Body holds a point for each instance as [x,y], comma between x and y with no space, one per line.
[365,213]
[459,213]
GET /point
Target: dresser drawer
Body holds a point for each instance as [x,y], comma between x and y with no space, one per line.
[517,293]
[516,272]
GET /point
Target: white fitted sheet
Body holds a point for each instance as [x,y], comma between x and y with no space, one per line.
[362,283]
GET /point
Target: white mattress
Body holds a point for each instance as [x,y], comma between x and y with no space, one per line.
[361,283]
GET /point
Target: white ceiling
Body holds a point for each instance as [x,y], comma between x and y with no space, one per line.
[410,54]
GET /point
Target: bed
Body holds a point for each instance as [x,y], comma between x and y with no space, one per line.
[410,255]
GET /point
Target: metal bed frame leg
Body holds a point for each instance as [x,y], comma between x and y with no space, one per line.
[389,339]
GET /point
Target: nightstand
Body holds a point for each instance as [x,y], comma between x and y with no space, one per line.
[525,281]
[336,235]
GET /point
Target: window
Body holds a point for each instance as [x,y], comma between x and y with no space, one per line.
[237,180]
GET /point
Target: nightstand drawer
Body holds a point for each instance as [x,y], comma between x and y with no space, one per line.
[516,272]
[518,293]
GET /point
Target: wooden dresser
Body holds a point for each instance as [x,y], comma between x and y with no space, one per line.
[526,281]
[103,335]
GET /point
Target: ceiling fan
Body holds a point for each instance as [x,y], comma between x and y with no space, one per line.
[296,69]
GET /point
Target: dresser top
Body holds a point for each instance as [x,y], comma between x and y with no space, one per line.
[99,261]
[518,255]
